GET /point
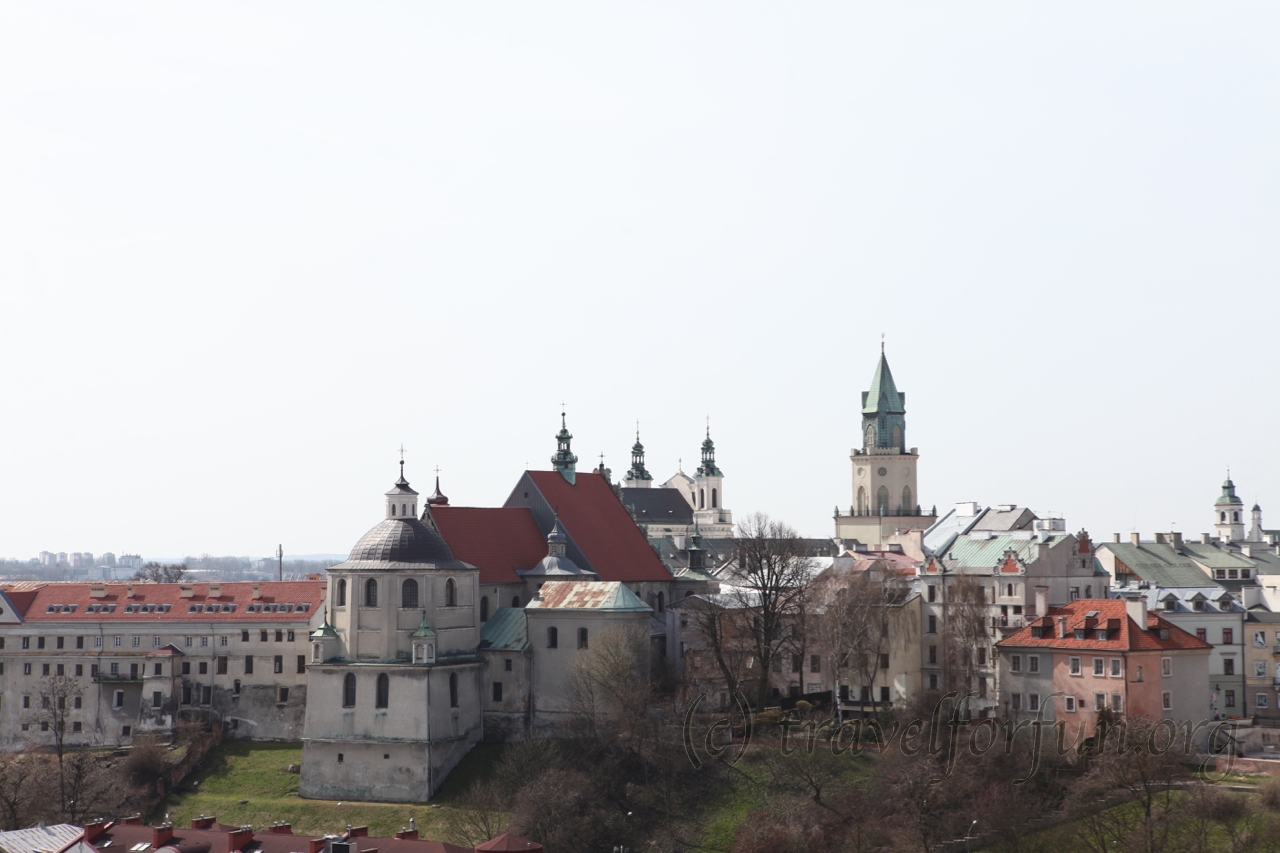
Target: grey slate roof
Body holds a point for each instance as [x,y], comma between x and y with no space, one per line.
[1159,565]
[1018,518]
[399,543]
[1215,557]
[658,506]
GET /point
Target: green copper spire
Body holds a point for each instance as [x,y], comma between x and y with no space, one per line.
[638,471]
[884,423]
[565,461]
[1228,496]
[708,467]
[424,630]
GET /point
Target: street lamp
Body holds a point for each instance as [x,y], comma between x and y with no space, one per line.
[968,836]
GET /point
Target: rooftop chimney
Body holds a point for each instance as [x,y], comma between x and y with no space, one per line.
[98,590]
[161,834]
[411,834]
[187,590]
[202,822]
[94,829]
[1062,627]
[359,832]
[238,839]
[135,820]
[1042,600]
[1135,538]
[1135,606]
[128,591]
[281,828]
[315,845]
[215,591]
[1206,538]
[1115,537]
[1175,539]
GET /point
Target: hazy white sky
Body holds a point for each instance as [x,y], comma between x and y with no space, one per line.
[246,250]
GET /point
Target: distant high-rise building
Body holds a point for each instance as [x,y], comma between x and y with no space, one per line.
[108,559]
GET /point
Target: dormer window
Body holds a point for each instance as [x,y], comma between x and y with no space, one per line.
[1198,604]
[1079,633]
[1170,604]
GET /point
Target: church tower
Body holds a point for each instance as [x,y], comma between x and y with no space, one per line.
[708,485]
[885,497]
[638,477]
[565,461]
[1228,514]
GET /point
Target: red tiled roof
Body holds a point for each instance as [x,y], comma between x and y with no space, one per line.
[507,842]
[601,527]
[498,540]
[240,594]
[124,836]
[1112,613]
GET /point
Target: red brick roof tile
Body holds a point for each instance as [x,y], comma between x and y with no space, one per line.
[498,540]
[1111,613]
[238,593]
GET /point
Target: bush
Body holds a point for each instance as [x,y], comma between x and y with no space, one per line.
[1269,794]
[148,761]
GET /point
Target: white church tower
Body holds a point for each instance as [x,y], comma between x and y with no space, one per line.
[1228,514]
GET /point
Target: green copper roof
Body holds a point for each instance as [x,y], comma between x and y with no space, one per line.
[424,630]
[325,630]
[883,396]
[1228,494]
[1160,565]
[506,630]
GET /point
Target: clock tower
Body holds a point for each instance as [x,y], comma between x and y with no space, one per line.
[885,497]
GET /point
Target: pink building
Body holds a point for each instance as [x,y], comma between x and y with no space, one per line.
[1091,654]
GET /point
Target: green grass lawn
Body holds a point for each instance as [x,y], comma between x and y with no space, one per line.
[256,773]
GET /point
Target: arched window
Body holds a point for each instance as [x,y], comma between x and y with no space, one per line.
[384,691]
[906,500]
[582,638]
[1224,516]
[1088,592]
[484,608]
[515,601]
[453,690]
[871,436]
[371,593]
[662,604]
[1235,516]
[553,637]
[882,500]
[702,499]
[450,593]
[409,593]
[862,501]
[349,690]
[897,437]
[713,498]
[404,509]
[342,592]
[393,510]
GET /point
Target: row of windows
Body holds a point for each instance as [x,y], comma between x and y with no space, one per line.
[408,593]
[117,641]
[1071,704]
[1099,667]
[553,638]
[382,690]
[968,655]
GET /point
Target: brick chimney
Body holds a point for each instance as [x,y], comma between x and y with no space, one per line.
[95,829]
[315,845]
[1135,606]
[136,820]
[237,839]
[203,822]
[407,834]
[160,835]
[281,828]
[359,832]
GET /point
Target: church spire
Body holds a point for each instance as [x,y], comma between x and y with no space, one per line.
[884,422]
[638,472]
[708,467]
[565,461]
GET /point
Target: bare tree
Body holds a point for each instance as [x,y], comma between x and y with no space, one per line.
[58,697]
[479,815]
[765,592]
[168,573]
[609,688]
[965,635]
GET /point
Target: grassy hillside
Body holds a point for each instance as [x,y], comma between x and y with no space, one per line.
[256,773]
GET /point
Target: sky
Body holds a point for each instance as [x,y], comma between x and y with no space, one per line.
[247,251]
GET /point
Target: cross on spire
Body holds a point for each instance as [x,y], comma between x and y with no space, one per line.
[402,460]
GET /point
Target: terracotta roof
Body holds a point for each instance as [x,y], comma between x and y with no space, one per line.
[1123,633]
[601,527]
[163,602]
[499,540]
[124,836]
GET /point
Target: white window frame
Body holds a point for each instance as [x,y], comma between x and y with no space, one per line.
[1166,700]
[1069,704]
[1117,703]
[1074,666]
[1099,667]
[117,641]
[1261,701]
[1117,669]
[1099,701]
[1166,667]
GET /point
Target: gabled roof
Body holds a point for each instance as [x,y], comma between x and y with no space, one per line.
[587,595]
[979,552]
[1001,520]
[506,630]
[600,526]
[1123,633]
[164,602]
[499,540]
[1159,565]
[658,506]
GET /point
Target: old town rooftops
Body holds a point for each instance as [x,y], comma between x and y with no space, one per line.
[138,601]
[1082,620]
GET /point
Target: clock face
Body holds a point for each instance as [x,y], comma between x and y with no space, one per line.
[883,471]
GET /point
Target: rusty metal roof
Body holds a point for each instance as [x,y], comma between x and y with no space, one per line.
[588,595]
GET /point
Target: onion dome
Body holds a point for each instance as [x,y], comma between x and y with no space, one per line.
[437,497]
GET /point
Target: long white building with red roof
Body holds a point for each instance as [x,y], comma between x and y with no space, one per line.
[107,661]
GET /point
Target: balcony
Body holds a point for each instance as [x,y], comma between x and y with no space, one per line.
[117,678]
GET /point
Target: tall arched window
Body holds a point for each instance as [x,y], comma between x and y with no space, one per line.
[906,500]
[582,638]
[404,509]
[897,437]
[515,601]
[393,510]
[553,637]
[1235,516]
[342,592]
[371,593]
[453,690]
[862,501]
[384,691]
[702,499]
[349,690]
[871,436]
[450,593]
[713,498]
[662,604]
[1224,516]
[409,593]
[882,500]
[484,608]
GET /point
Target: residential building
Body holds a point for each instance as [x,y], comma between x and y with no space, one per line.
[136,657]
[1072,661]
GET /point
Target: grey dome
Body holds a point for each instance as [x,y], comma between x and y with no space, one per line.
[398,543]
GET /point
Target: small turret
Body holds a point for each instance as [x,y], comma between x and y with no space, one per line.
[1228,512]
[565,461]
[638,477]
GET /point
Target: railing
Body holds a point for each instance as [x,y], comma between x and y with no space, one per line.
[117,678]
[884,512]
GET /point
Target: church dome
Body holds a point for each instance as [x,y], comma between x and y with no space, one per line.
[400,541]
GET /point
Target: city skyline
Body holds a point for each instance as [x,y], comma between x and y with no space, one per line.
[249,252]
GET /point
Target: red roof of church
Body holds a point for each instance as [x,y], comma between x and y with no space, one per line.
[497,540]
[601,527]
